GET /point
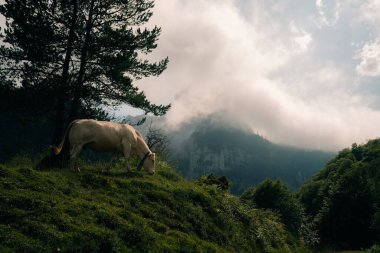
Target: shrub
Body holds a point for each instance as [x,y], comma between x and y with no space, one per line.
[221,182]
[274,195]
[374,249]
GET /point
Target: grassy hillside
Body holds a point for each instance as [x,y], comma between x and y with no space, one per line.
[90,211]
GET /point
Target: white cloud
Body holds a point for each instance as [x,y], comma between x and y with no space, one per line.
[301,38]
[329,11]
[370,11]
[370,59]
[260,71]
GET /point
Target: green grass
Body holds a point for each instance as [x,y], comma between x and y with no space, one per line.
[340,251]
[66,211]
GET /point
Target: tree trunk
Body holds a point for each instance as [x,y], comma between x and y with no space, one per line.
[64,87]
[73,114]
[60,108]
[70,44]
[78,89]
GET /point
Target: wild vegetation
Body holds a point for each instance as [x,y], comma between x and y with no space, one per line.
[61,210]
[343,199]
[275,196]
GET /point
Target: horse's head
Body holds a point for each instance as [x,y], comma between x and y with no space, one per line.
[149,163]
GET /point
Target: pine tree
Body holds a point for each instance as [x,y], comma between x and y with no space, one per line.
[75,56]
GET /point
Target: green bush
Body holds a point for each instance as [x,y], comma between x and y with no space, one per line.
[374,249]
[220,182]
[274,195]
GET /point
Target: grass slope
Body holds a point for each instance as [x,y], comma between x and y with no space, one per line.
[66,211]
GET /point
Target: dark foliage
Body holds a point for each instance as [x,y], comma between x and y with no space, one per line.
[22,136]
[274,195]
[343,198]
[221,182]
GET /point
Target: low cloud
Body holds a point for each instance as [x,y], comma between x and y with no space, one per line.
[258,72]
[370,59]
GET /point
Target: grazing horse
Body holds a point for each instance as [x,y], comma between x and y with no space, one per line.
[105,136]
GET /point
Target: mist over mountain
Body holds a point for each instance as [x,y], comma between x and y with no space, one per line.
[213,146]
[245,158]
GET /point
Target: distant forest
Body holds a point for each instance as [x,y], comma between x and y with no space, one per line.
[245,158]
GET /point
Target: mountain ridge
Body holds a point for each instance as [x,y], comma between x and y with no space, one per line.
[245,158]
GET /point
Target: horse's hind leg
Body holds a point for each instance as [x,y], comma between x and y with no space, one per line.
[74,152]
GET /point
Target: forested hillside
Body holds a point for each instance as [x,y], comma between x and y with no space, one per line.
[245,158]
[343,199]
[61,210]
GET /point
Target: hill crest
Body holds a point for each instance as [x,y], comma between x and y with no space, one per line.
[61,210]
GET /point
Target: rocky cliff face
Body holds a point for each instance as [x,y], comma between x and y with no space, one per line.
[245,158]
[203,159]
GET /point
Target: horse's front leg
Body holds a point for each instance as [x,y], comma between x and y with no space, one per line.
[127,147]
[109,165]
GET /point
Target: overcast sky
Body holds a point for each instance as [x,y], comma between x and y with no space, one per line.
[301,73]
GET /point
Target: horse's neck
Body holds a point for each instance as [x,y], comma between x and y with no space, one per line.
[142,147]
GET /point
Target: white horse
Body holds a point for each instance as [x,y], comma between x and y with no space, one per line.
[104,136]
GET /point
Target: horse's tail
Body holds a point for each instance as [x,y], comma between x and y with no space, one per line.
[57,149]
